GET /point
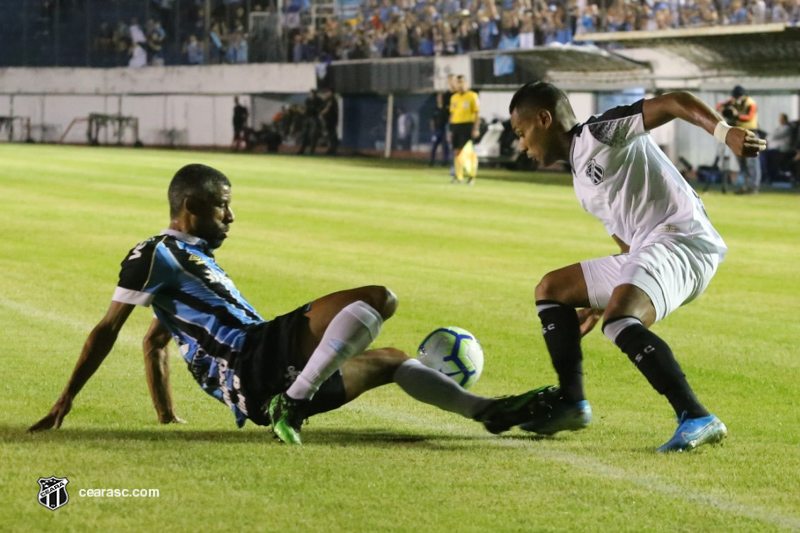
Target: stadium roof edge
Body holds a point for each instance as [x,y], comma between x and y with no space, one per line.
[674,33]
[769,50]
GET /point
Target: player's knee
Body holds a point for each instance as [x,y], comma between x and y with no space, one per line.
[383,300]
[548,288]
[394,357]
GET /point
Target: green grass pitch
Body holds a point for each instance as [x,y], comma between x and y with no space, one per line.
[455,255]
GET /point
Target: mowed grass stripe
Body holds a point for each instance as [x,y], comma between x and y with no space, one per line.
[467,256]
[582,463]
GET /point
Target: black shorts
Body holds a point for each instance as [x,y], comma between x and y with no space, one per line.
[272,359]
[462,133]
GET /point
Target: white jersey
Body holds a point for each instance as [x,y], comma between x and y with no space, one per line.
[623,178]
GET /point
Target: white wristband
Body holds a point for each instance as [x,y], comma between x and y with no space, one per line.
[721,131]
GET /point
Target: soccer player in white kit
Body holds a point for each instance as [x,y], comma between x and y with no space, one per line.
[669,248]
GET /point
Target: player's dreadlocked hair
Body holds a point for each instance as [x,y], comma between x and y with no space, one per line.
[538,95]
[194,180]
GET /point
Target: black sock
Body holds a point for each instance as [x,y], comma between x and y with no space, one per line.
[562,334]
[654,359]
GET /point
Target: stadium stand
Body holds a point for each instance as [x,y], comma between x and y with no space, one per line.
[123,32]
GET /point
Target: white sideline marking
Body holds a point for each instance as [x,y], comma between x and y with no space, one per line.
[600,469]
[666,488]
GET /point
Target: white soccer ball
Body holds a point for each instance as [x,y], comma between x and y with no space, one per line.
[455,352]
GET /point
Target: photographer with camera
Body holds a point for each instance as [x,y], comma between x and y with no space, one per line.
[740,110]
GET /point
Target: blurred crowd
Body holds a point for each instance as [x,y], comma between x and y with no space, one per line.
[166,31]
[401,28]
[221,37]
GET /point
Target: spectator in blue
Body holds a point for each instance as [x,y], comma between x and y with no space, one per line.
[738,13]
[488,32]
[216,48]
[589,21]
[297,48]
[509,39]
[563,30]
[194,51]
[237,50]
[385,11]
[450,7]
[426,39]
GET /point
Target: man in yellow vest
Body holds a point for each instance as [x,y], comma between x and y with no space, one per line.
[741,111]
[464,126]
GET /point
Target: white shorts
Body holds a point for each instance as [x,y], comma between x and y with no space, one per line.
[671,273]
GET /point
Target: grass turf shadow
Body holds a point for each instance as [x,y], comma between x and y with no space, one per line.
[376,437]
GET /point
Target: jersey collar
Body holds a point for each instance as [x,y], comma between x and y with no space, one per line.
[185,237]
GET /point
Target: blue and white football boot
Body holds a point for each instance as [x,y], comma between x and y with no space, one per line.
[694,432]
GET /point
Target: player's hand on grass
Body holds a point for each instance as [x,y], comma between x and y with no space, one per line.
[744,143]
[55,417]
[588,319]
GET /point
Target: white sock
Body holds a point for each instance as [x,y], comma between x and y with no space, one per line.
[348,334]
[429,386]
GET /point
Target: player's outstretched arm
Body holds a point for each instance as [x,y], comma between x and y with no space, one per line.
[156,368]
[95,350]
[662,109]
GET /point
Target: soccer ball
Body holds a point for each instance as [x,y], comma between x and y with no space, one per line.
[455,352]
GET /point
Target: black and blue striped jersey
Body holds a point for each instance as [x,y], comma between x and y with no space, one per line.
[198,303]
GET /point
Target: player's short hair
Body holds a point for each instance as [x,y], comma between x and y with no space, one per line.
[537,95]
[460,77]
[194,180]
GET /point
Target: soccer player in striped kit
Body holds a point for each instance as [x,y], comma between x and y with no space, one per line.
[273,372]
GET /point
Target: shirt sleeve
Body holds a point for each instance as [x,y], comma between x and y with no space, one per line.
[619,125]
[137,282]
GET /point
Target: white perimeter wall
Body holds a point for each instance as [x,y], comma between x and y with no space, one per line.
[207,79]
[193,105]
[188,105]
[163,120]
